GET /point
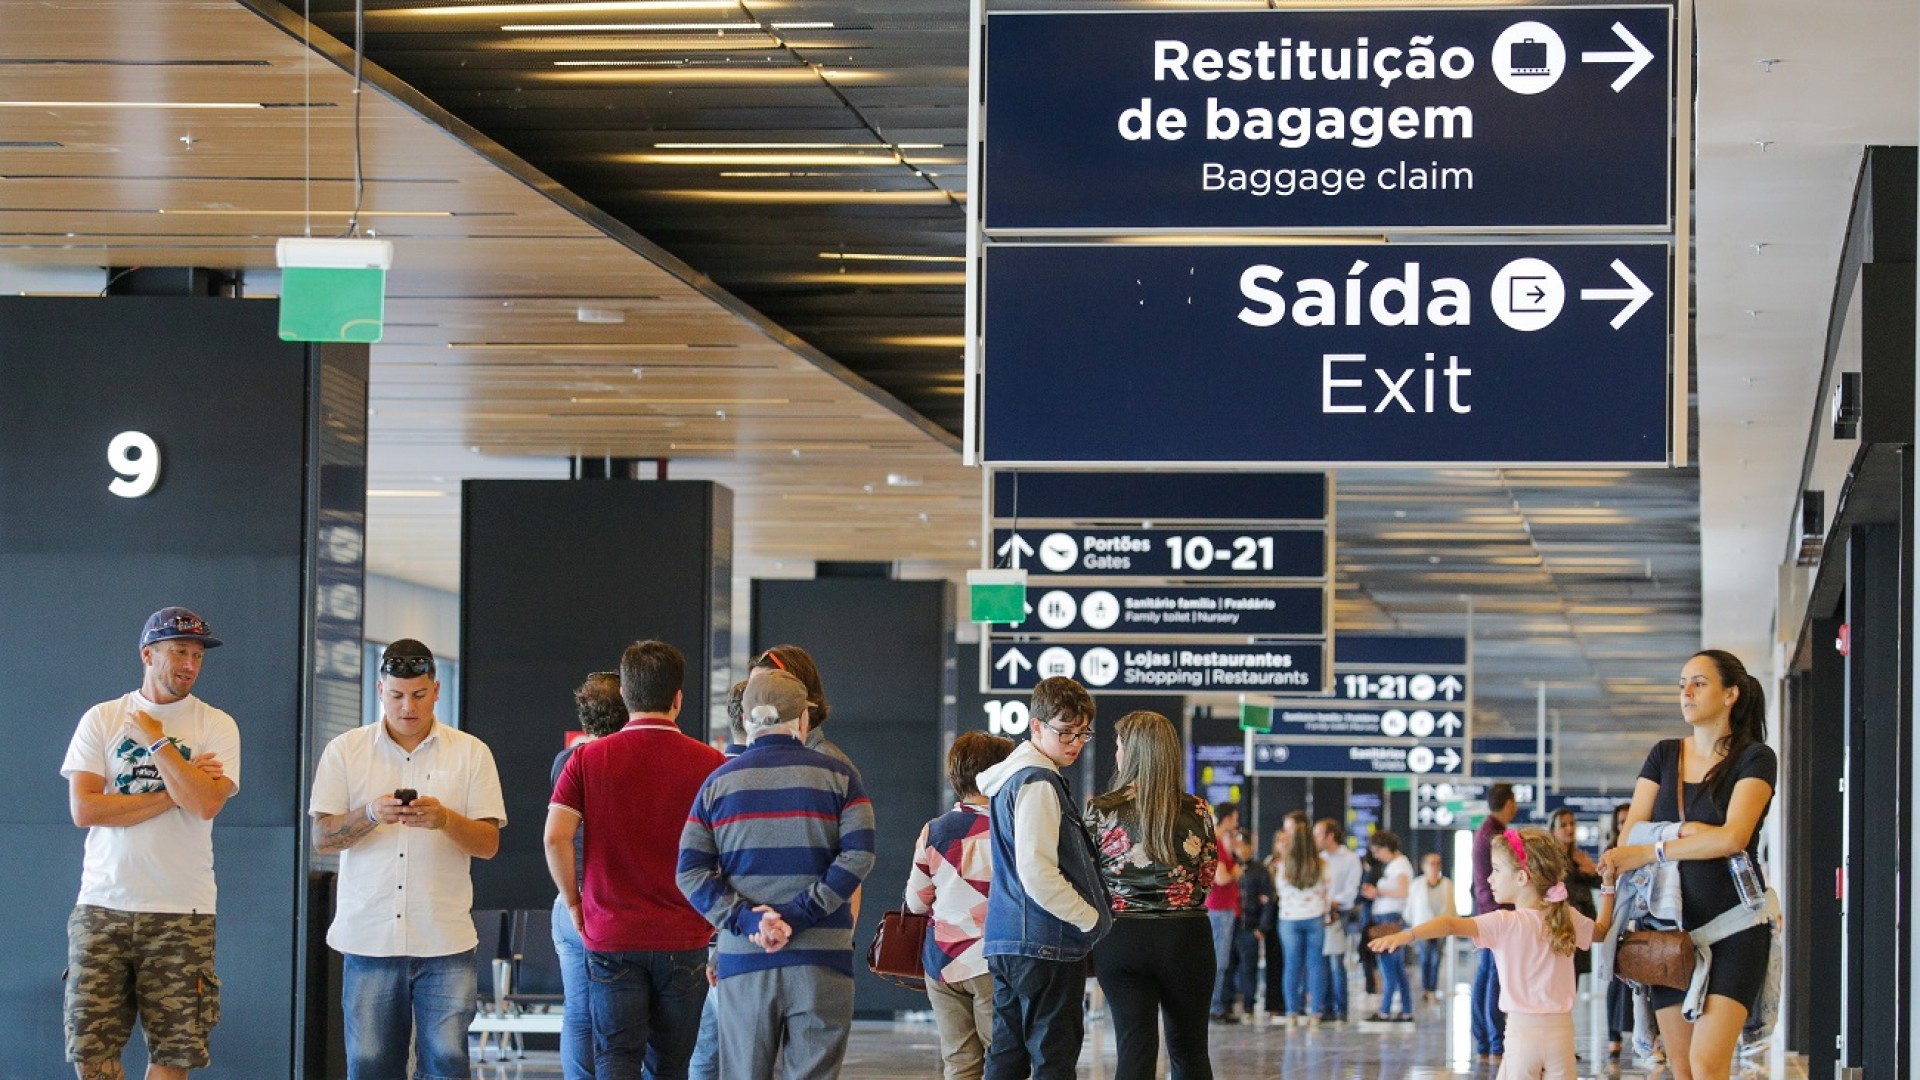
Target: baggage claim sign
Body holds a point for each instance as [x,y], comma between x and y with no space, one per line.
[1322,125]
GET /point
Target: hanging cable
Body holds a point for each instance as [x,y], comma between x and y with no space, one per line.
[359,59]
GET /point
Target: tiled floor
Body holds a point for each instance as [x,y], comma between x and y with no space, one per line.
[1433,1048]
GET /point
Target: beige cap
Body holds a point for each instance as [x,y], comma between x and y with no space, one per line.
[773,697]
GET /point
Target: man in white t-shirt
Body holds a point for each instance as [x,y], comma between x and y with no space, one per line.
[146,774]
[408,803]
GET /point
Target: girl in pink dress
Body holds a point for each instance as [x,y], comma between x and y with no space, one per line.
[1533,947]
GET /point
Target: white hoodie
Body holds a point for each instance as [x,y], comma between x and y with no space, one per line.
[1036,829]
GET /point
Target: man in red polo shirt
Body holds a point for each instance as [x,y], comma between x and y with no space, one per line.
[646,946]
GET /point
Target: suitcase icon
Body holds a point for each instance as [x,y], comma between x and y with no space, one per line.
[1527,57]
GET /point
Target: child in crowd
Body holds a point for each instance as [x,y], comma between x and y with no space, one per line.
[1048,905]
[1533,946]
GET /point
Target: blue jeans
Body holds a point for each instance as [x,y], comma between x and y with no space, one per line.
[576,1024]
[390,1001]
[1393,974]
[706,1051]
[646,1012]
[1223,929]
[1301,940]
[1430,964]
[1489,1023]
[1335,1003]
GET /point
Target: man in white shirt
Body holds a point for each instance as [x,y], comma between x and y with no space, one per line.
[1343,890]
[146,774]
[408,803]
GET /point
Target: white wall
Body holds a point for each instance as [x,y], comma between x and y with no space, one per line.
[400,609]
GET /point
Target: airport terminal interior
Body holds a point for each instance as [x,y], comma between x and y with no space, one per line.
[1398,399]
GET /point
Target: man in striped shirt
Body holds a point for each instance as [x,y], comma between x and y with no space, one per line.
[777,841]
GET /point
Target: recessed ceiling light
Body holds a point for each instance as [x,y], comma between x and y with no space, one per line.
[801,25]
[926,341]
[622,28]
[132,105]
[803,196]
[699,73]
[875,256]
[795,146]
[933,277]
[812,158]
[592,7]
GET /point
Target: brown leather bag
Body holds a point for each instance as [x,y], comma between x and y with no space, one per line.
[1656,958]
[895,953]
[1659,957]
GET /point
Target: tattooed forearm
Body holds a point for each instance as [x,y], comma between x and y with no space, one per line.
[339,832]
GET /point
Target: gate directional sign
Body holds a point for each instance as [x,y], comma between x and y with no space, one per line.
[1369,722]
[1372,685]
[1269,755]
[1170,610]
[1551,117]
[1162,553]
[1547,354]
[1283,668]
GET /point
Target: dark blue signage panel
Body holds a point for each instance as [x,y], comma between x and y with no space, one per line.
[1340,354]
[1438,685]
[1269,755]
[1296,668]
[1176,611]
[1148,496]
[1164,553]
[1432,726]
[1514,746]
[1509,768]
[1492,118]
[1390,650]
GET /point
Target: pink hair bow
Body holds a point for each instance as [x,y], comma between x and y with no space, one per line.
[1519,848]
[1557,894]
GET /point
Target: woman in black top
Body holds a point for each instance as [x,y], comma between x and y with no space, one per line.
[1582,877]
[1726,773]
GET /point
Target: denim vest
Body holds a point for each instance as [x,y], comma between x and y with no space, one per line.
[1016,924]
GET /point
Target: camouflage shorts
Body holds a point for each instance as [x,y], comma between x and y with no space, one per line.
[158,967]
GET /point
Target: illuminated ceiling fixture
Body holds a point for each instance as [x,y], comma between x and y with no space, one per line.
[132,105]
[748,448]
[935,277]
[679,401]
[874,256]
[593,7]
[811,197]
[315,213]
[804,158]
[619,28]
[927,341]
[795,146]
[692,73]
[801,25]
[754,175]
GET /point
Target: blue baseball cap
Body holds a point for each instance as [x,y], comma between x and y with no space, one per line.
[171,623]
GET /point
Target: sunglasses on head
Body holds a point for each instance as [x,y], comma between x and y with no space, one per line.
[407,667]
[184,624]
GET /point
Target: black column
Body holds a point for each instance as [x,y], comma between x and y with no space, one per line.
[256,522]
[1818,988]
[882,647]
[557,577]
[1875,816]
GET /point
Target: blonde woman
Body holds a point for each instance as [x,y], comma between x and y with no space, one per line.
[1157,856]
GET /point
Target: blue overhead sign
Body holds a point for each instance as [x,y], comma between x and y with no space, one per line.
[1176,611]
[1302,719]
[1491,118]
[1148,496]
[1250,553]
[1339,354]
[1159,668]
[1269,755]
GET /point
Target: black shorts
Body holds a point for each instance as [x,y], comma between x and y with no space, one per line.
[1739,970]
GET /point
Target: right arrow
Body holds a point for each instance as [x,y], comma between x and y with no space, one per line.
[1637,57]
[1015,549]
[1449,759]
[1636,294]
[1014,661]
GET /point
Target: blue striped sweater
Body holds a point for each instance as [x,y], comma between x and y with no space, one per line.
[787,827]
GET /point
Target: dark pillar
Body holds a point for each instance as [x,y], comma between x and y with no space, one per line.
[257,523]
[883,649]
[557,577]
[1875,814]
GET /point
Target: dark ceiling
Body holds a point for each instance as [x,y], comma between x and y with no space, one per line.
[859,110]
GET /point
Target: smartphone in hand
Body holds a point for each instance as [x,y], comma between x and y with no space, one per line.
[406,795]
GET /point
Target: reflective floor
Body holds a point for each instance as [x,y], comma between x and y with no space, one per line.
[1435,1046]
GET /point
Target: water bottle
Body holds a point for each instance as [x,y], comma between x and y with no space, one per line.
[1746,880]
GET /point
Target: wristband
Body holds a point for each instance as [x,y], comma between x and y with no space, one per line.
[1606,890]
[370,816]
[1660,851]
[157,745]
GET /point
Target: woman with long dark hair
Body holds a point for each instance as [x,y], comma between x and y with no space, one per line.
[1719,784]
[1157,855]
[1619,994]
[1582,875]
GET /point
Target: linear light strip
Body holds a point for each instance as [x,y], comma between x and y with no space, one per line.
[592,7]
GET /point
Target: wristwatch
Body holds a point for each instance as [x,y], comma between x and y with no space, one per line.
[1660,851]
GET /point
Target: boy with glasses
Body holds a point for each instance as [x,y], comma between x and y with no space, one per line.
[1048,905]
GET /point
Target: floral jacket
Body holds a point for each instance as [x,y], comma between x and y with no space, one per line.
[1140,887]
